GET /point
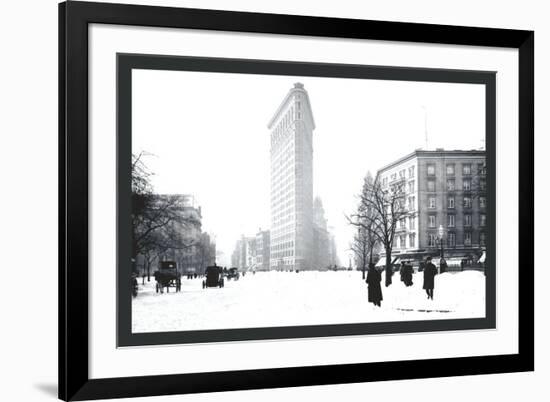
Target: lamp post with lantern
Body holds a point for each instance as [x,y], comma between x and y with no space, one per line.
[442,262]
[441,232]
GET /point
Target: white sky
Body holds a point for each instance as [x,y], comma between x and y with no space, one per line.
[208,133]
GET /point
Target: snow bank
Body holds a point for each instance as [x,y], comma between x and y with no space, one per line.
[269,299]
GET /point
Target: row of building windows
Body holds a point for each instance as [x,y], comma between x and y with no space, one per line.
[467,185]
[282,246]
[402,175]
[401,241]
[451,220]
[412,223]
[433,239]
[466,202]
[450,169]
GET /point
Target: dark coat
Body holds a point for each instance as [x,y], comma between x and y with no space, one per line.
[408,275]
[402,272]
[442,266]
[375,291]
[430,271]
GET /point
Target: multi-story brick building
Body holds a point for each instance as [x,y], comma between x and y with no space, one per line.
[445,198]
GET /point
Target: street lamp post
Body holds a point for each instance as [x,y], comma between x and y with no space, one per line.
[441,232]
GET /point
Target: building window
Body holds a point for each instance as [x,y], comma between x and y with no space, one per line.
[402,223]
[466,169]
[412,223]
[450,221]
[432,240]
[411,171]
[482,220]
[482,239]
[431,185]
[431,221]
[466,184]
[402,240]
[393,176]
[450,169]
[411,186]
[450,202]
[431,202]
[411,203]
[467,239]
[482,202]
[412,240]
[431,169]
[482,169]
[482,184]
[467,202]
[451,185]
[451,240]
[402,174]
[467,220]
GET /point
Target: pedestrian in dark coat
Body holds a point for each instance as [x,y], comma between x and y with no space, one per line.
[402,271]
[430,271]
[408,275]
[373,281]
[442,265]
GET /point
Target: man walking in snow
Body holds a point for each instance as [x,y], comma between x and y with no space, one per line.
[373,280]
[430,271]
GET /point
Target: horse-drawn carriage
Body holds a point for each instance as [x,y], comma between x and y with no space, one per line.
[167,276]
[214,277]
[233,273]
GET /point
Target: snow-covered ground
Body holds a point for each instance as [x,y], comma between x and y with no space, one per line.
[269,299]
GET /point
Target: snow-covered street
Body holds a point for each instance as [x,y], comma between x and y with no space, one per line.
[269,299]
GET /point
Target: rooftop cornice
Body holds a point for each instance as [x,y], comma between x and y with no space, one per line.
[298,87]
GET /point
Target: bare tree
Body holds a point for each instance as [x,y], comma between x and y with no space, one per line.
[365,240]
[380,210]
[159,222]
[360,248]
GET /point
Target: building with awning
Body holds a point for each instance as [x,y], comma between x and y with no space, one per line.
[445,202]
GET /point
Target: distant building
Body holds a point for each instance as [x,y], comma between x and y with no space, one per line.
[244,255]
[199,250]
[262,250]
[321,237]
[332,250]
[446,203]
[291,152]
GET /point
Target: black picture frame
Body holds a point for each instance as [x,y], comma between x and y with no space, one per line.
[74,380]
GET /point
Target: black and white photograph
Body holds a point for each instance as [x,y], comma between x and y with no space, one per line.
[266,200]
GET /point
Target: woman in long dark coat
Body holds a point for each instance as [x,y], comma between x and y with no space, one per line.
[430,271]
[373,281]
[408,275]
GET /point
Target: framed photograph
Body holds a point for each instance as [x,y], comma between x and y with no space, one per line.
[258,200]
